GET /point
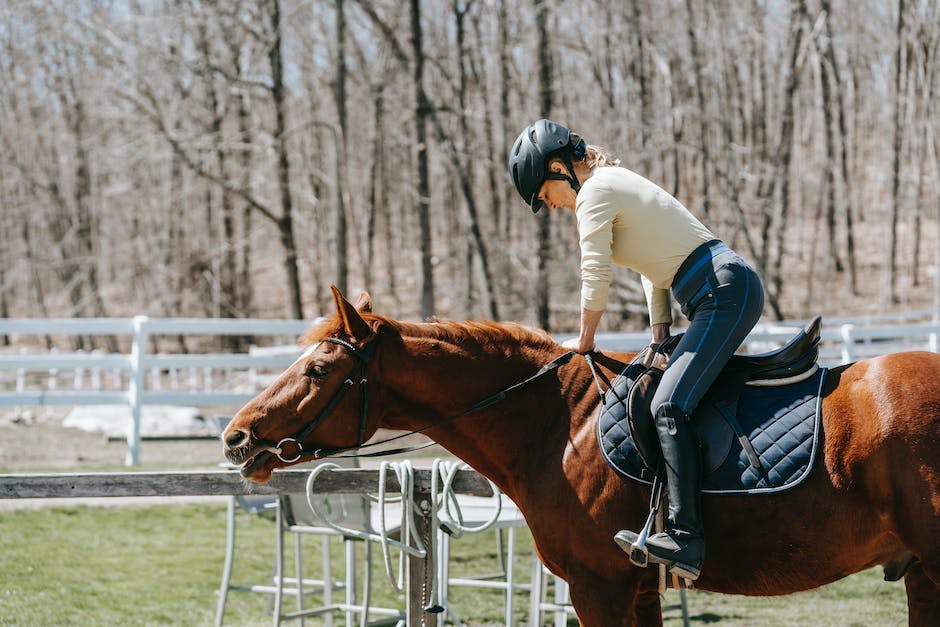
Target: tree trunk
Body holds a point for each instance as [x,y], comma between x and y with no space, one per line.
[285,223]
[342,237]
[785,150]
[639,71]
[831,161]
[86,265]
[505,80]
[545,72]
[377,185]
[464,166]
[831,63]
[891,288]
[423,199]
[223,269]
[700,98]
[929,48]
[731,170]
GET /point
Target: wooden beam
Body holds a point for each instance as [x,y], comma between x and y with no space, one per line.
[217,482]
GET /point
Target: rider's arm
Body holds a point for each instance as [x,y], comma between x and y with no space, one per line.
[589,322]
[660,332]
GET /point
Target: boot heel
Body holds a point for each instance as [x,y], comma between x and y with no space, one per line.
[685,571]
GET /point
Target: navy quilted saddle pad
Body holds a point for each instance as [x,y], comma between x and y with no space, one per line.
[782,424]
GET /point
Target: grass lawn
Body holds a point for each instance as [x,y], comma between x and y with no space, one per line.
[161,566]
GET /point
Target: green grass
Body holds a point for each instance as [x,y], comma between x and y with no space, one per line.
[161,566]
[861,600]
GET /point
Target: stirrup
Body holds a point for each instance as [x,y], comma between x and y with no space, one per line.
[634,544]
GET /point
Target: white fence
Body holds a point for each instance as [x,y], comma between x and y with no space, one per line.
[137,378]
[129,371]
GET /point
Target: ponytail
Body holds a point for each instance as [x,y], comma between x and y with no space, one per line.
[598,157]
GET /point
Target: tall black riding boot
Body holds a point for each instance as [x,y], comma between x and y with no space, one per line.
[681,547]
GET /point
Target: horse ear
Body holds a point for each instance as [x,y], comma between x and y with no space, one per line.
[364,303]
[355,326]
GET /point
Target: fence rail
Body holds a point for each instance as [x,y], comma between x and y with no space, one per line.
[137,363]
[136,379]
[218,482]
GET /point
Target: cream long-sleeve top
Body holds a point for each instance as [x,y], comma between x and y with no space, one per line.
[626,219]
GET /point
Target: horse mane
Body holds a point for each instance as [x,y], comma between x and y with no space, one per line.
[482,333]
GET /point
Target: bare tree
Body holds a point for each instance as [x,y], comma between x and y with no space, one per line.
[423,192]
[891,289]
[342,254]
[187,148]
[841,141]
[700,100]
[546,101]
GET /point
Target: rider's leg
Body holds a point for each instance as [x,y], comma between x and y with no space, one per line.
[726,310]
[682,545]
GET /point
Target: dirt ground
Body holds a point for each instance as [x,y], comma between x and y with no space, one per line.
[36,440]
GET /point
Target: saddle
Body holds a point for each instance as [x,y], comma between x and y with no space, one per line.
[757,423]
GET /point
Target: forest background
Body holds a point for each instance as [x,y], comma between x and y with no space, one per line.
[203,158]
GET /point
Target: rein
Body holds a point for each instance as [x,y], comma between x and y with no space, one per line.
[358,371]
[597,374]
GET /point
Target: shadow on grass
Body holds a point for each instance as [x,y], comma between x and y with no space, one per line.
[709,617]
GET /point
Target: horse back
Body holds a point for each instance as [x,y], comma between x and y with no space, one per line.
[878,413]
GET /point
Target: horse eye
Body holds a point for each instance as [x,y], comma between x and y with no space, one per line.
[315,371]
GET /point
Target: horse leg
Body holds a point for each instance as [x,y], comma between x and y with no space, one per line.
[649,608]
[923,598]
[600,603]
[917,516]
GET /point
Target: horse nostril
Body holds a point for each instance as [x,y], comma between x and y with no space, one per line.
[236,438]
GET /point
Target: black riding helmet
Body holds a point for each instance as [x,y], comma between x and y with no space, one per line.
[528,160]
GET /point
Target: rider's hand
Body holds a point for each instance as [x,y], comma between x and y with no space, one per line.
[660,332]
[579,346]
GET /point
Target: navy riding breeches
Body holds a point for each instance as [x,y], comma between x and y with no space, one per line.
[722,297]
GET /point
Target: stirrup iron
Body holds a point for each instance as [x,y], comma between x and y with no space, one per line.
[639,555]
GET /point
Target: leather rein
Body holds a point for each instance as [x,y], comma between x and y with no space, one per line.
[363,355]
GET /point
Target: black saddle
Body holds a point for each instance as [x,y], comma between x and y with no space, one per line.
[627,433]
[798,356]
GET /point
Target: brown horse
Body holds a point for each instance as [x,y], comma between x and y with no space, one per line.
[872,498]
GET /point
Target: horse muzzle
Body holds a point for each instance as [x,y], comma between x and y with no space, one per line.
[239,448]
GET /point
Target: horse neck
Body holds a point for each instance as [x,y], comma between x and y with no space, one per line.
[426,383]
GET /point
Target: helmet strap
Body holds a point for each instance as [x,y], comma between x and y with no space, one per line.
[570,177]
[572,180]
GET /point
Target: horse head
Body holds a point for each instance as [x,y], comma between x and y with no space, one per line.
[318,404]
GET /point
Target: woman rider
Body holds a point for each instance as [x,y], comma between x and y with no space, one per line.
[627,220]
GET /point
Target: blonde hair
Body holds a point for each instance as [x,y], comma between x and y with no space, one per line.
[598,157]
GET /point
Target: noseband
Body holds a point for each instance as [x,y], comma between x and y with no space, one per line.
[363,356]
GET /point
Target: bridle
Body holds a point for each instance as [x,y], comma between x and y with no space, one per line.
[363,355]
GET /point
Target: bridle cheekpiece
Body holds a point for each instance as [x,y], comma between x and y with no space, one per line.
[362,355]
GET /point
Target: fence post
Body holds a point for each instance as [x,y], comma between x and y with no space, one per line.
[421,570]
[135,390]
[848,343]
